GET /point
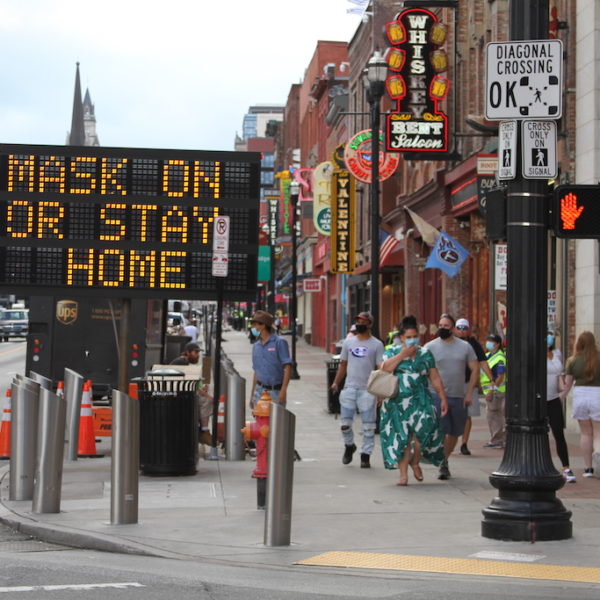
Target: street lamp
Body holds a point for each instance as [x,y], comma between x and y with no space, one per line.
[294,191]
[374,80]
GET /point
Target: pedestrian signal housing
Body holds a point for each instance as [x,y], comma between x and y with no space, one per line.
[577,211]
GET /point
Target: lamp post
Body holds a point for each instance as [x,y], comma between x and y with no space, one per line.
[294,191]
[374,80]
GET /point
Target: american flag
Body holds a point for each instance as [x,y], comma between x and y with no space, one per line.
[387,244]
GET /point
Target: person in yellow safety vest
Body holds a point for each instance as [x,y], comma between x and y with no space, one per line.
[495,390]
[393,337]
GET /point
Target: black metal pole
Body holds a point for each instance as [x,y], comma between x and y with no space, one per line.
[526,508]
[294,305]
[217,370]
[123,345]
[271,296]
[375,91]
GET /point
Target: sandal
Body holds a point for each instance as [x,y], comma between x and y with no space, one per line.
[417,472]
[403,482]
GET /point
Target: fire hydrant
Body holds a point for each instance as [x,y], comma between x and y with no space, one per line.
[258,430]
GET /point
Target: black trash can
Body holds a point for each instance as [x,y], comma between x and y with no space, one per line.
[168,426]
[333,398]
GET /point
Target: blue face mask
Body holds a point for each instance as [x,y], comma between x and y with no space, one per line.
[550,340]
[255,332]
[490,346]
[412,342]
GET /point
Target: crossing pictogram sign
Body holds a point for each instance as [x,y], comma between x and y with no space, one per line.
[524,80]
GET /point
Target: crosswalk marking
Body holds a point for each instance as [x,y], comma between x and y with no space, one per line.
[76,586]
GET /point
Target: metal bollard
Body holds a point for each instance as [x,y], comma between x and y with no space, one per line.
[25,408]
[280,478]
[235,417]
[125,460]
[50,450]
[73,390]
[44,382]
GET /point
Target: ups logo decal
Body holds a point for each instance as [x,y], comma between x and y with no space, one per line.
[66,311]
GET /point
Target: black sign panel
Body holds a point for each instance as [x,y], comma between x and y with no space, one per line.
[577,211]
[125,222]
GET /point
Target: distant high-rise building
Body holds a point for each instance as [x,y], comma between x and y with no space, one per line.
[256,123]
[83,120]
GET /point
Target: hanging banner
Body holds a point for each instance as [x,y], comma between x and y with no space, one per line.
[357,156]
[342,222]
[415,60]
[322,197]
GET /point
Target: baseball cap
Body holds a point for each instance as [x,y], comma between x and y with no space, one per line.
[192,347]
[463,323]
[367,316]
[262,316]
[494,337]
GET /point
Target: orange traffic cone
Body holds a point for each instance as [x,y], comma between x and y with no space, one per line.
[221,419]
[60,389]
[5,431]
[86,447]
[133,390]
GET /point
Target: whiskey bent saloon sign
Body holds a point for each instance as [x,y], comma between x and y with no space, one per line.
[415,60]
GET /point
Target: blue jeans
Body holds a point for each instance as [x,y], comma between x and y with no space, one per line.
[351,401]
[258,392]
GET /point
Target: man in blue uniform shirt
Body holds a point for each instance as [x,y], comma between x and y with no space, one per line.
[271,360]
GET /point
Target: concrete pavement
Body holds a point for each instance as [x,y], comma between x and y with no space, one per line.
[340,512]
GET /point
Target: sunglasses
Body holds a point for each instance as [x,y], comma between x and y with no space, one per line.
[462,327]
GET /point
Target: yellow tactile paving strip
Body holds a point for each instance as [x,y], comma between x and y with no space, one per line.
[457,566]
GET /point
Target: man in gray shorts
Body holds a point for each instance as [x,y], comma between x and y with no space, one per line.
[452,357]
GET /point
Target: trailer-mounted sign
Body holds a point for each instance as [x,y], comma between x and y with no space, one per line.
[126,222]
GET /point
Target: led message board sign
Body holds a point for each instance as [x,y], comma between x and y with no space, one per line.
[126,222]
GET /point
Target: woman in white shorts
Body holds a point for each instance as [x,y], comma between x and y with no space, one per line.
[583,369]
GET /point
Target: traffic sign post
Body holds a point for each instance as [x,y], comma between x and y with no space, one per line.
[220,257]
[538,149]
[523,79]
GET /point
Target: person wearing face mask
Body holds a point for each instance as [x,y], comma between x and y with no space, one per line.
[410,416]
[359,356]
[556,419]
[463,331]
[452,357]
[271,360]
[494,389]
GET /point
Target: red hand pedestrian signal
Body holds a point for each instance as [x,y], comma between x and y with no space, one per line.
[569,211]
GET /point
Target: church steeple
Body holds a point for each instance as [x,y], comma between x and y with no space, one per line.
[77,134]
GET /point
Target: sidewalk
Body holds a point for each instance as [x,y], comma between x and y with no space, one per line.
[336,509]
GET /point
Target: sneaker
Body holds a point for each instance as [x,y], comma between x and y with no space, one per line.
[350,450]
[364,461]
[464,450]
[589,472]
[496,446]
[444,472]
[569,476]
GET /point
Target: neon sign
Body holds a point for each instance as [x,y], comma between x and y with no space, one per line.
[415,61]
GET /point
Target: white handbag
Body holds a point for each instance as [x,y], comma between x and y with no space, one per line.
[382,384]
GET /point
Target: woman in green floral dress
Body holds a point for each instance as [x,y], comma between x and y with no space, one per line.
[411,413]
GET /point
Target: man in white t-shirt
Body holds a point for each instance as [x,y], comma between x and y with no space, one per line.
[359,356]
[192,331]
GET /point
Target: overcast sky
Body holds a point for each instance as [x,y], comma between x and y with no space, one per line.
[171,74]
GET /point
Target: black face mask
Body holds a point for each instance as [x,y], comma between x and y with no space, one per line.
[361,328]
[444,333]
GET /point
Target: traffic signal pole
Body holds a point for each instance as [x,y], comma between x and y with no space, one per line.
[526,507]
